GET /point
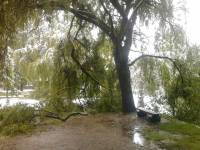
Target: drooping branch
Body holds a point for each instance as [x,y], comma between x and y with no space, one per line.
[82,68]
[158,57]
[74,58]
[151,56]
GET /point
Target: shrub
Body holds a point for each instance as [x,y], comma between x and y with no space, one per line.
[108,103]
[16,119]
[183,98]
[19,113]
[14,129]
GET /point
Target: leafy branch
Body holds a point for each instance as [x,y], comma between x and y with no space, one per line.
[158,57]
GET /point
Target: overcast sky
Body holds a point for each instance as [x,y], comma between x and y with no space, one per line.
[193,21]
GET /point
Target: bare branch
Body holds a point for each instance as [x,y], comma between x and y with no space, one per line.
[35,27]
[134,14]
[81,14]
[119,8]
[71,25]
[110,17]
[87,16]
[126,29]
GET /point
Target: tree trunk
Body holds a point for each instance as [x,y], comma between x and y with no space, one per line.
[121,61]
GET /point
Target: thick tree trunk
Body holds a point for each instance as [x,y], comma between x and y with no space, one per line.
[123,72]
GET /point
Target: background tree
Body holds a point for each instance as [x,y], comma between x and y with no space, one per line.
[173,73]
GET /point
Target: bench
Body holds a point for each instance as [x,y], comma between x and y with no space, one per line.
[148,115]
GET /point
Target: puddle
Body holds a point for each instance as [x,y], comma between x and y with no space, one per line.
[137,137]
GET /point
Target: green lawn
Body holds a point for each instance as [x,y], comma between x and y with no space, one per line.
[175,135]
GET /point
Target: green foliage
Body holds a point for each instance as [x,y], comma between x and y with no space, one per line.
[183,95]
[14,14]
[16,119]
[177,80]
[108,103]
[156,136]
[62,80]
[109,100]
[15,129]
[17,114]
[70,83]
[187,108]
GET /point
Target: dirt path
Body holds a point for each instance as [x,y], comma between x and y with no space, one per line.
[99,132]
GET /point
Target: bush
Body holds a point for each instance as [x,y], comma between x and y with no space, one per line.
[16,119]
[107,103]
[183,98]
[14,129]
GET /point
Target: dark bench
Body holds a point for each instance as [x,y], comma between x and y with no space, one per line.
[148,115]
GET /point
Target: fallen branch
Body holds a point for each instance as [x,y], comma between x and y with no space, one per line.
[56,116]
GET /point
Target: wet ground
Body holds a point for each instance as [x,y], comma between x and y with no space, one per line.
[93,132]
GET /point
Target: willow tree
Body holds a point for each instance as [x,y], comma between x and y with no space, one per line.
[117,19]
[14,14]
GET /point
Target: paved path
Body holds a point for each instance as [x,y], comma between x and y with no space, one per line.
[99,132]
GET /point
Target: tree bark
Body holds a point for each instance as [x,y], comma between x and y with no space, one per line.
[121,61]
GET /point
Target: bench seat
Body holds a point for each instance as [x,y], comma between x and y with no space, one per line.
[148,115]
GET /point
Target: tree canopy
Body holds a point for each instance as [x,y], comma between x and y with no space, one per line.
[116,23]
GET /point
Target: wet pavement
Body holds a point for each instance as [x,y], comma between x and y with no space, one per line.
[138,135]
[99,132]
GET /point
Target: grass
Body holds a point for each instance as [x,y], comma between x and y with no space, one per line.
[178,127]
[20,119]
[15,129]
[176,135]
[155,136]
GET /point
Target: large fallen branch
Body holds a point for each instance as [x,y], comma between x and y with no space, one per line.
[56,116]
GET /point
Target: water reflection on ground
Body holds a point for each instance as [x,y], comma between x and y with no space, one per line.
[137,136]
